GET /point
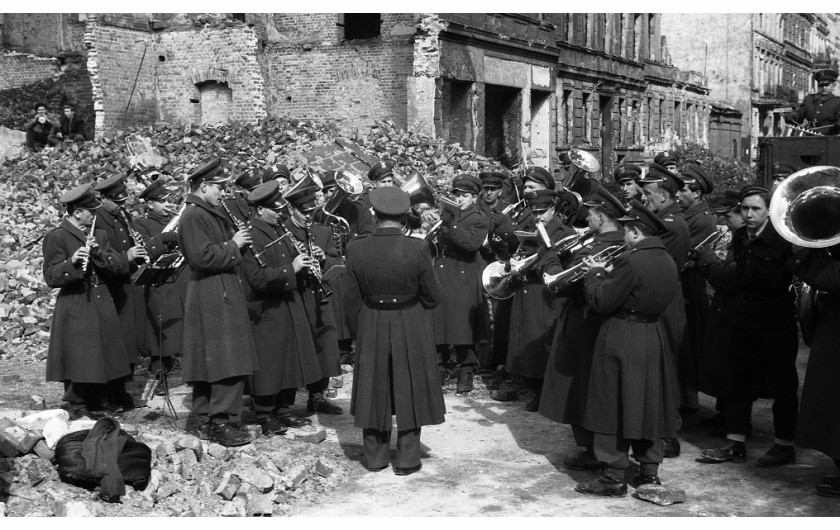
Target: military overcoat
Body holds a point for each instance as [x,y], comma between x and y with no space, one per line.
[632,388]
[392,286]
[86,342]
[218,342]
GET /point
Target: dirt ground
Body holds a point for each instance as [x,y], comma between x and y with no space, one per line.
[494,458]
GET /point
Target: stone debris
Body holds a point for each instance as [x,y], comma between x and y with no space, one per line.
[661,494]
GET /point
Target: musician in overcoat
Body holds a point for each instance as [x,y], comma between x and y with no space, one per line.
[461,317]
[660,187]
[315,240]
[113,217]
[534,308]
[392,285]
[818,426]
[219,351]
[566,383]
[164,302]
[764,344]
[286,355]
[86,349]
[632,391]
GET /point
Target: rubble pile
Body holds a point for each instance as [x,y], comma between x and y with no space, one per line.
[190,477]
[30,184]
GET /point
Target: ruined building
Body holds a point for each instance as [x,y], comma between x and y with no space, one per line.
[535,84]
[761,64]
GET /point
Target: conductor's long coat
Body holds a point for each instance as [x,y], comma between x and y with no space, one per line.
[392,284]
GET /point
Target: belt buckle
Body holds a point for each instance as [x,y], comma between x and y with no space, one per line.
[93,280]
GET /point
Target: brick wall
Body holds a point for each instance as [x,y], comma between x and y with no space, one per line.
[114,59]
[22,69]
[48,34]
[313,73]
[184,59]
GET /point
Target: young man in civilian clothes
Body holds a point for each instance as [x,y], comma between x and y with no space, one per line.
[219,351]
[392,284]
[632,392]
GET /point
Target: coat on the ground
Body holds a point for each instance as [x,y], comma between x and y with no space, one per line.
[282,336]
[534,311]
[392,285]
[461,317]
[818,426]
[320,314]
[566,382]
[86,344]
[632,392]
[165,302]
[218,343]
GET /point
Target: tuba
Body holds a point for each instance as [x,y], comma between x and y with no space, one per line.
[349,185]
[805,210]
[584,163]
[501,279]
[419,191]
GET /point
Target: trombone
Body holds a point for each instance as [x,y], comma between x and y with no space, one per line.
[502,279]
[577,273]
[709,241]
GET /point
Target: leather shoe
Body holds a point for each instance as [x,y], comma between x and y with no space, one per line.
[778,455]
[585,461]
[602,487]
[402,471]
[671,447]
[831,479]
[376,469]
[270,425]
[533,405]
[289,419]
[465,382]
[320,404]
[641,480]
[201,430]
[829,490]
[229,435]
[731,452]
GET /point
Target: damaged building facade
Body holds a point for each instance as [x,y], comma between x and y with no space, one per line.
[533,84]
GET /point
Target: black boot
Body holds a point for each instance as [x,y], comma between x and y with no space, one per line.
[605,485]
[320,404]
[230,435]
[465,381]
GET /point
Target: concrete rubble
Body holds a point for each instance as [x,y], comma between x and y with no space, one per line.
[190,477]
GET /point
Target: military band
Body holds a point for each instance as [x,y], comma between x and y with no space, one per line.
[599,305]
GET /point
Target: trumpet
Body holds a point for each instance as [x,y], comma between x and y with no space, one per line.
[708,241]
[242,226]
[515,210]
[570,245]
[576,273]
[90,241]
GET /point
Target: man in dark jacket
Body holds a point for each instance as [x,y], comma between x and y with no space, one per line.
[392,285]
[627,177]
[762,352]
[38,128]
[70,127]
[461,318]
[632,393]
[219,351]
[822,110]
[86,350]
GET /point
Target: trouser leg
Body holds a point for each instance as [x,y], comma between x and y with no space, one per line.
[377,448]
[264,406]
[649,453]
[583,438]
[201,401]
[442,351]
[90,395]
[465,355]
[611,450]
[286,397]
[408,448]
[226,400]
[318,386]
[785,414]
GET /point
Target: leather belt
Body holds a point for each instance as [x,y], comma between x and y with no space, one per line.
[386,302]
[634,316]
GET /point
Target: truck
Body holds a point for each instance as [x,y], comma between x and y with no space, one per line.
[800,151]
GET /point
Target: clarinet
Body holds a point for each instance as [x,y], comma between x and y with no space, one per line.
[89,241]
[315,271]
[242,226]
[135,236]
